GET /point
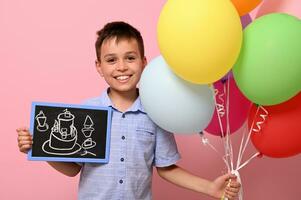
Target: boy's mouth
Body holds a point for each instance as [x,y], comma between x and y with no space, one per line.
[123,78]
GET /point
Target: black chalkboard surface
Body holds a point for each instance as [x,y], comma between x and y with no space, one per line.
[70,133]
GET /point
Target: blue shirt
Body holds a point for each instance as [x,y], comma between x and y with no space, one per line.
[137,144]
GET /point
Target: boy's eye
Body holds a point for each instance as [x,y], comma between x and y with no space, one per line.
[110,60]
[131,58]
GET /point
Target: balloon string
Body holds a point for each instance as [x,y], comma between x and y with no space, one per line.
[228,149]
[263,117]
[220,107]
[240,194]
[240,148]
[229,143]
[226,137]
[248,161]
[245,143]
[206,142]
[238,166]
[226,157]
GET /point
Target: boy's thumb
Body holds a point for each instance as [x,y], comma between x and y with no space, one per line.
[229,176]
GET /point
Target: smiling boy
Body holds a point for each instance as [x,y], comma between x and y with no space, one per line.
[137,144]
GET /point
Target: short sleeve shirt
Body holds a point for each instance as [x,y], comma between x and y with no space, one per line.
[137,144]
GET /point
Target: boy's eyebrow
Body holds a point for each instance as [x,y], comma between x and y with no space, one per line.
[108,55]
[131,52]
[126,53]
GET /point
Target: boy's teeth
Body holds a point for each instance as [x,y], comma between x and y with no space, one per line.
[122,77]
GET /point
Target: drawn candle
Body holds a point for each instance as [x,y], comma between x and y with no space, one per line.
[66,121]
[55,127]
[88,129]
[41,118]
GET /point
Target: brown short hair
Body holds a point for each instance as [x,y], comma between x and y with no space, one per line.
[120,30]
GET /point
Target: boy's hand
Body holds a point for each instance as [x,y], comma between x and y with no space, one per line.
[225,186]
[24,139]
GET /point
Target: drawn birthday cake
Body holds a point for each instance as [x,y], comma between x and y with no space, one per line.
[63,136]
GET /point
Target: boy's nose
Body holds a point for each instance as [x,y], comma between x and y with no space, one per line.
[122,66]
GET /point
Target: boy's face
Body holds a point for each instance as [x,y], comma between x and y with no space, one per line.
[121,64]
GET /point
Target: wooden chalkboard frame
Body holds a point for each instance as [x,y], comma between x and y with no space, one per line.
[62,158]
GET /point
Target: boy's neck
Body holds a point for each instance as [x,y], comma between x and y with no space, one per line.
[123,100]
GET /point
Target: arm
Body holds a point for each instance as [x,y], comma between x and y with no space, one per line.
[25,144]
[216,188]
[68,169]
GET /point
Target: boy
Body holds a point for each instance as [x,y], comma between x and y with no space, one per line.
[137,144]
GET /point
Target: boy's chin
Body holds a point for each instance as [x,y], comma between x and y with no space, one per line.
[124,89]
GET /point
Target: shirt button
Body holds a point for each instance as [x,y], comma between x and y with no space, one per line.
[120,181]
[121,159]
[123,137]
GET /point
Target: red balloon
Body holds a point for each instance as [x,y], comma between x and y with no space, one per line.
[279,133]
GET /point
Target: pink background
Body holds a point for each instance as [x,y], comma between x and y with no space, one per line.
[47,54]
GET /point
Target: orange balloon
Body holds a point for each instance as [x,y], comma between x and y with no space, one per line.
[245,6]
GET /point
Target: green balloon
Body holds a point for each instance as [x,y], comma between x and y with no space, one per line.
[268,70]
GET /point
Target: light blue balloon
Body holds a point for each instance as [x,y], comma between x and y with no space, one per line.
[173,104]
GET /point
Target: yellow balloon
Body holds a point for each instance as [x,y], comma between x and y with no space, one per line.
[200,39]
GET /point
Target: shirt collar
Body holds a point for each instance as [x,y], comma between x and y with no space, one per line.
[136,106]
[105,99]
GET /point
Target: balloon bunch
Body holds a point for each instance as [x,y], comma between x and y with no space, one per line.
[219,68]
[268,73]
[199,42]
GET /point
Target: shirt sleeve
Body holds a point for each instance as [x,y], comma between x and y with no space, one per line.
[166,151]
[80,164]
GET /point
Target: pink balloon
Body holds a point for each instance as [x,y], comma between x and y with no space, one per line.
[291,7]
[245,20]
[239,108]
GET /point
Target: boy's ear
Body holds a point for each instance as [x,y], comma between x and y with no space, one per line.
[144,62]
[98,67]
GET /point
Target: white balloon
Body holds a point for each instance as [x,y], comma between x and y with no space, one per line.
[172,103]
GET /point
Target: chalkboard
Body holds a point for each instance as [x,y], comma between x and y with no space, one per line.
[70,133]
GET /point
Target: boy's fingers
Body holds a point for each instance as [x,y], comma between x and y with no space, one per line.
[24,138]
[23,128]
[230,195]
[230,189]
[25,148]
[23,133]
[233,177]
[230,177]
[235,184]
[232,181]
[25,142]
[25,145]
